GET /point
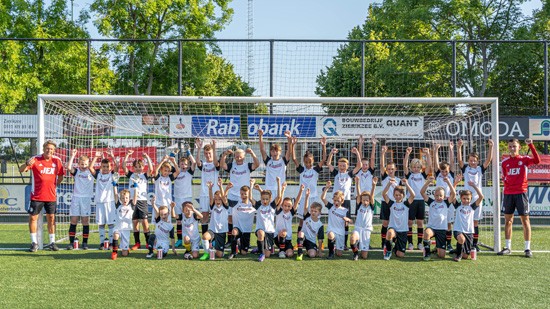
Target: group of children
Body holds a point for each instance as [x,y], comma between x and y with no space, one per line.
[226,214]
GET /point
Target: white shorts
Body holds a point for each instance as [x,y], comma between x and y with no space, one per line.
[451,214]
[204,203]
[80,207]
[105,213]
[478,213]
[123,239]
[340,241]
[179,202]
[300,209]
[364,239]
[195,242]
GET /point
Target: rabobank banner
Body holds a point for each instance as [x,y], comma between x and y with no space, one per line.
[227,126]
[275,126]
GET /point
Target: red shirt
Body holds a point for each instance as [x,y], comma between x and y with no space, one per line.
[514,171]
[44,174]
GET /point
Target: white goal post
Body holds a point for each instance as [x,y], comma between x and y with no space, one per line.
[108,121]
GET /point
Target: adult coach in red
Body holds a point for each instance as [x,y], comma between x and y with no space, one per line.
[514,173]
[47,173]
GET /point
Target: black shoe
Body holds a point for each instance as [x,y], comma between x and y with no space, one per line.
[231,256]
[53,247]
[528,253]
[330,256]
[504,251]
[477,248]
[453,251]
[102,247]
[70,247]
[34,247]
[84,246]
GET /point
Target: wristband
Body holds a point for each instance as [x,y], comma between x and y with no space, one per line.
[114,183]
[173,155]
[188,152]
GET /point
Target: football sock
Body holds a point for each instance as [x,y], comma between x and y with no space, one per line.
[508,244]
[383,234]
[101,232]
[331,243]
[146,234]
[179,230]
[136,237]
[234,245]
[449,236]
[115,245]
[34,238]
[388,245]
[427,244]
[85,233]
[346,235]
[410,235]
[476,235]
[459,249]
[206,244]
[282,244]
[230,229]
[261,245]
[111,229]
[72,232]
[52,238]
[527,245]
[151,242]
[204,228]
[300,245]
[354,248]
[419,234]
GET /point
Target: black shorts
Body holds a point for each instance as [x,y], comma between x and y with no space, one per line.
[244,240]
[35,207]
[309,245]
[217,240]
[268,240]
[417,210]
[384,211]
[467,246]
[400,240]
[288,243]
[141,212]
[347,205]
[512,202]
[440,238]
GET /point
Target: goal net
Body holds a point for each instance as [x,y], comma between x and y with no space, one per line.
[159,126]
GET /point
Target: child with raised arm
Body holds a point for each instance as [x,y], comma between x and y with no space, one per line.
[438,210]
[463,228]
[141,179]
[105,214]
[183,190]
[275,165]
[243,220]
[209,172]
[445,169]
[309,175]
[416,178]
[190,232]
[360,238]
[473,173]
[283,222]
[265,219]
[343,180]
[388,175]
[239,176]
[164,230]
[163,176]
[215,236]
[337,219]
[83,191]
[366,172]
[312,230]
[399,214]
[124,214]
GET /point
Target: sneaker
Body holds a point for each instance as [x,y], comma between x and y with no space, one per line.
[477,248]
[528,253]
[346,248]
[449,247]
[355,257]
[299,257]
[136,246]
[387,255]
[150,255]
[282,255]
[53,247]
[427,257]
[411,247]
[420,246]
[188,256]
[457,258]
[34,247]
[231,256]
[178,243]
[84,246]
[504,251]
[330,256]
[114,255]
[205,256]
[453,251]
[71,247]
[255,251]
[101,247]
[261,258]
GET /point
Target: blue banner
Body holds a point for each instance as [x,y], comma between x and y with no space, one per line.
[275,126]
[216,126]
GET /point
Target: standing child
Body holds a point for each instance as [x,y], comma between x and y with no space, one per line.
[265,219]
[183,190]
[366,172]
[209,172]
[218,222]
[438,211]
[141,179]
[283,224]
[312,230]
[388,176]
[104,202]
[416,178]
[360,238]
[124,214]
[445,169]
[337,219]
[473,173]
[191,236]
[83,192]
[164,175]
[164,230]
[275,165]
[399,214]
[243,220]
[464,221]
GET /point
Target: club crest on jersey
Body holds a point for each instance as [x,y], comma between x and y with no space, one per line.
[520,163]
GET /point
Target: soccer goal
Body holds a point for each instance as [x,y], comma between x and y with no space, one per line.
[163,125]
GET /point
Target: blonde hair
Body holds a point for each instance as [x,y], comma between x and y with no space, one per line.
[440,189]
[343,160]
[416,162]
[338,194]
[124,192]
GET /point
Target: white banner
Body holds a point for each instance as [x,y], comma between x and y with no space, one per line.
[379,126]
[180,126]
[18,126]
[539,129]
[13,198]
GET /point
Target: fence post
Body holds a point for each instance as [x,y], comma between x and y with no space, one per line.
[363,70]
[89,68]
[546,88]
[453,73]
[271,73]
[180,69]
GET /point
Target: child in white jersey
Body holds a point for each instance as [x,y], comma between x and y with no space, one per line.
[106,179]
[265,219]
[399,214]
[387,174]
[438,211]
[312,230]
[83,191]
[218,222]
[209,172]
[337,218]
[463,228]
[190,233]
[163,176]
[283,222]
[275,165]
[446,169]
[183,190]
[141,180]
[164,230]
[473,173]
[416,178]
[243,220]
[124,213]
[360,238]
[366,172]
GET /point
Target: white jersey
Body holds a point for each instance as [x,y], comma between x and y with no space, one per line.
[438,214]
[141,180]
[283,221]
[218,218]
[274,169]
[343,182]
[190,227]
[183,185]
[163,190]
[104,191]
[365,180]
[364,218]
[440,182]
[475,175]
[83,183]
[312,229]
[416,181]
[385,179]
[124,215]
[399,216]
[309,178]
[243,216]
[239,176]
[265,217]
[209,172]
[336,223]
[164,231]
[464,218]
